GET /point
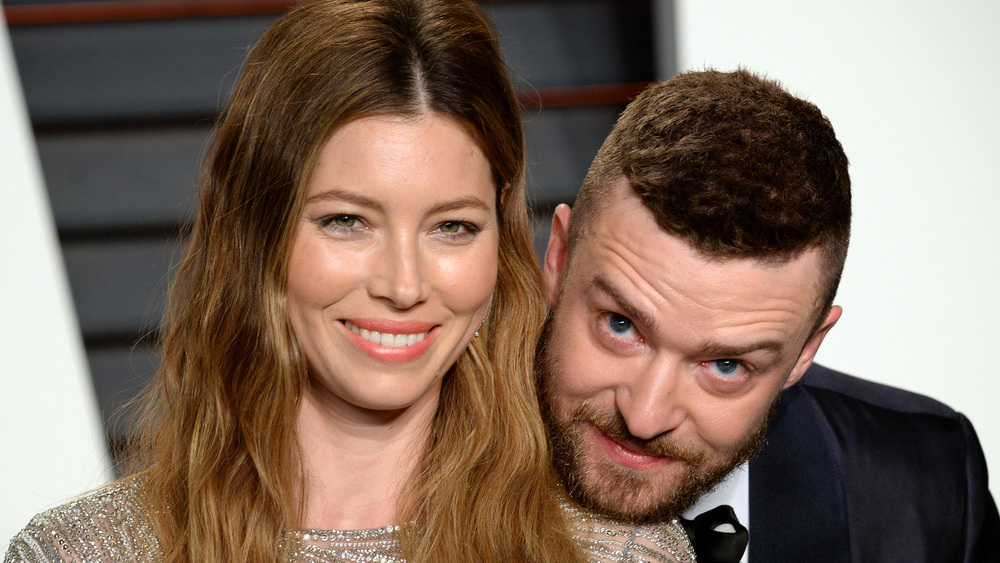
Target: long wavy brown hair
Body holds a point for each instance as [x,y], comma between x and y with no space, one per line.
[218,457]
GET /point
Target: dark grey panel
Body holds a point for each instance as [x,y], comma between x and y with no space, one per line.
[132,70]
[559,43]
[665,16]
[120,373]
[541,223]
[561,144]
[163,68]
[119,179]
[118,286]
[146,178]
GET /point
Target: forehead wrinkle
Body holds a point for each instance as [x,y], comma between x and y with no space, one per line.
[684,282]
[691,279]
[604,285]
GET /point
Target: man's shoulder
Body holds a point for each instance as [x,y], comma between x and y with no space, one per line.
[824,385]
[869,449]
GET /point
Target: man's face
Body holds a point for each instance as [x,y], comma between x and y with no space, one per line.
[659,367]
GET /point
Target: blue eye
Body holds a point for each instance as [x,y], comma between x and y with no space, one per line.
[726,367]
[621,327]
[619,324]
[618,332]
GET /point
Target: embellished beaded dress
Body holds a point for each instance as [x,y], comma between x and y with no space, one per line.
[108,526]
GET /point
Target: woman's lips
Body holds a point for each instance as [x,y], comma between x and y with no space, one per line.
[390,341]
[387,339]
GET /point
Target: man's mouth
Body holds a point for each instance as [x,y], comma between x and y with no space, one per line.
[627,454]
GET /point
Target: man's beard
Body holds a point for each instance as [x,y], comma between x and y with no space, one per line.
[619,492]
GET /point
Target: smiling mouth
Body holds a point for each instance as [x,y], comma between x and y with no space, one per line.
[629,455]
[386,339]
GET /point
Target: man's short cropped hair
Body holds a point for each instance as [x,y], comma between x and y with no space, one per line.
[734,165]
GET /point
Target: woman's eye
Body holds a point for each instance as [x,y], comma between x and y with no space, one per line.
[460,229]
[726,368]
[451,227]
[343,222]
[346,221]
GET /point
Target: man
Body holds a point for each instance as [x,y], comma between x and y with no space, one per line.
[691,287]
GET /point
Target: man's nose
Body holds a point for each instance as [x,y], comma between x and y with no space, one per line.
[652,400]
[399,275]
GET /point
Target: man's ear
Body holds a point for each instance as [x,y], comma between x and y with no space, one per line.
[812,346]
[556,254]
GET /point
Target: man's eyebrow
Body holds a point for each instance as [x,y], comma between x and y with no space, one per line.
[605,286]
[336,194]
[718,350]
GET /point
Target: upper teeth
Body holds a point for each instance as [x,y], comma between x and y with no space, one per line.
[386,339]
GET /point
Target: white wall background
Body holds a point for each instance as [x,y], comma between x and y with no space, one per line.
[51,440]
[912,88]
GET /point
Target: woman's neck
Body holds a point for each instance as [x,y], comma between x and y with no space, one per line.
[358,462]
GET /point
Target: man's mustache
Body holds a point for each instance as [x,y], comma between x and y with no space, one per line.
[613,426]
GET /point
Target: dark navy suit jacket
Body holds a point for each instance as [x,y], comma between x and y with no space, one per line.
[856,471]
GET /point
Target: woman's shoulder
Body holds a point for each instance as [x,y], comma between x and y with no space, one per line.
[105,525]
[603,540]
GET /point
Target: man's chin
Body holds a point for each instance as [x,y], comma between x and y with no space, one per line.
[645,497]
[633,496]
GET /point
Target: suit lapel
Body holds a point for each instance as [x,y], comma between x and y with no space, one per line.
[797,506]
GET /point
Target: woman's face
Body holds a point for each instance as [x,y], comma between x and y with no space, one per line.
[394,260]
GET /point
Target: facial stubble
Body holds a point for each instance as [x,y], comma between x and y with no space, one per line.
[619,492]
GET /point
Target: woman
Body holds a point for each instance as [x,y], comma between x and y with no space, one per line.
[347,345]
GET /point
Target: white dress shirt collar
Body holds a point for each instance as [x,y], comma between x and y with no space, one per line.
[734,491]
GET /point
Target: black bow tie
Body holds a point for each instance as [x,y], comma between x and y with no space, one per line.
[712,545]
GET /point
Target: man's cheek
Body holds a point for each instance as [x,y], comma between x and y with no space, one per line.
[591,373]
[573,381]
[721,435]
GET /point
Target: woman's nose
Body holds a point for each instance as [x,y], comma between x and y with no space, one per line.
[399,276]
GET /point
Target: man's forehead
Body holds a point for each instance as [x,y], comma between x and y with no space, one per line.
[628,250]
[623,216]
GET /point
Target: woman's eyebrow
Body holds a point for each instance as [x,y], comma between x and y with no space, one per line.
[336,194]
[460,203]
